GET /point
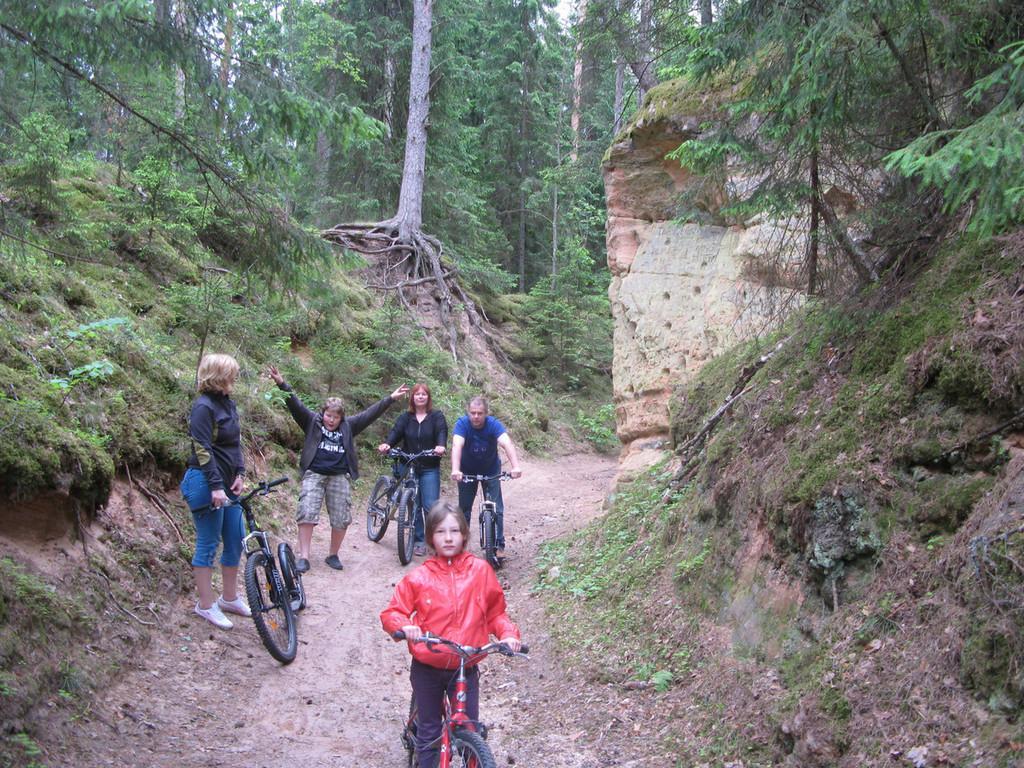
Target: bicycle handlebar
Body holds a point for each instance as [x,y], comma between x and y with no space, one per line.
[398,453]
[485,478]
[465,651]
[261,489]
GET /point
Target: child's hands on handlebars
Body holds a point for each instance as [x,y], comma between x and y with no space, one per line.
[412,633]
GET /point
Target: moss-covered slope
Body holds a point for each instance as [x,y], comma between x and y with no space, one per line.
[835,577]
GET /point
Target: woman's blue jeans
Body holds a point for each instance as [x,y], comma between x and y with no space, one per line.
[430,491]
[212,525]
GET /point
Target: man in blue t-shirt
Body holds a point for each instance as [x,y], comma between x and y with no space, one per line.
[475,442]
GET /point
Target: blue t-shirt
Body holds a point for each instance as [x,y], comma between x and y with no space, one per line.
[480,453]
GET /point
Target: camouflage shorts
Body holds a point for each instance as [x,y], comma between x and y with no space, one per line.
[336,489]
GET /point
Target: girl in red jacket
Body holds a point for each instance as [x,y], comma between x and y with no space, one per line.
[457,596]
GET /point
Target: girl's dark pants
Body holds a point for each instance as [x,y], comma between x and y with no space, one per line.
[430,685]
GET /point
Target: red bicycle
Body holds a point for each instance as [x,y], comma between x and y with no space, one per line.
[462,740]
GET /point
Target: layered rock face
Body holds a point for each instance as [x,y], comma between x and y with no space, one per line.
[680,293]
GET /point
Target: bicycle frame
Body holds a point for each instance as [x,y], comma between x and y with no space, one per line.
[455,716]
[256,533]
[396,497]
[488,516]
[273,589]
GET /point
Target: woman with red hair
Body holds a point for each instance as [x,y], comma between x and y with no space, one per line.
[420,429]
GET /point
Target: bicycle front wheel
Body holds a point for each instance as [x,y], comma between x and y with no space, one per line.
[406,521]
[489,533]
[469,750]
[377,512]
[271,607]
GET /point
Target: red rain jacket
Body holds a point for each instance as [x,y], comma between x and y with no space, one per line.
[459,599]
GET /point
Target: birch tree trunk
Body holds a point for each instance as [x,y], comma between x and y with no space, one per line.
[225,63]
[322,162]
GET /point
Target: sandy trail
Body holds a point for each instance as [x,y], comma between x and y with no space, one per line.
[202,697]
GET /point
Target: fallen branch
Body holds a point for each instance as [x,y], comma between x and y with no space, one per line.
[1016,420]
[110,594]
[689,450]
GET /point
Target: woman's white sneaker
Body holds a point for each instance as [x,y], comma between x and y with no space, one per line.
[214,615]
[236,606]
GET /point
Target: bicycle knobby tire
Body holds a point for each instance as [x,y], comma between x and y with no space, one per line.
[406,523]
[271,607]
[378,512]
[469,750]
[489,533]
[292,578]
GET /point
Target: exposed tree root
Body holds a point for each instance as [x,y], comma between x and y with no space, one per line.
[408,260]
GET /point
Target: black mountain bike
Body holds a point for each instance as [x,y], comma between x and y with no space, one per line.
[395,497]
[274,588]
[488,518]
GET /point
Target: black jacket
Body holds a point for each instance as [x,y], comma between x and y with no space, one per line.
[216,440]
[419,436]
[350,426]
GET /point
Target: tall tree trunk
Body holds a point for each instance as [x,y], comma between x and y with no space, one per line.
[390,77]
[521,240]
[410,199]
[225,63]
[162,11]
[705,13]
[554,217]
[645,49]
[229,35]
[620,88]
[390,87]
[554,235]
[814,235]
[322,161]
[577,84]
[179,75]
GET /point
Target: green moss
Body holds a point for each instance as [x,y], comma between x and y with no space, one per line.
[935,309]
[987,661]
[679,99]
[942,502]
[963,379]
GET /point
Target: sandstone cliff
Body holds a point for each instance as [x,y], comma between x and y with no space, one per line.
[681,292]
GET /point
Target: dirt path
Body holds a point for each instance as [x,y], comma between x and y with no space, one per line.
[202,697]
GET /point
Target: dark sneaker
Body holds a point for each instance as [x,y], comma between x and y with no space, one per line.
[302,565]
[419,549]
[334,562]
